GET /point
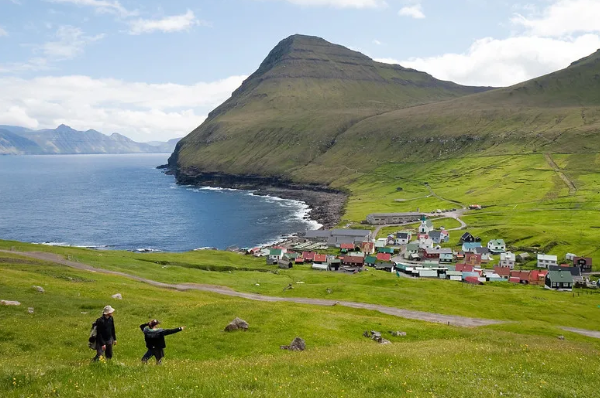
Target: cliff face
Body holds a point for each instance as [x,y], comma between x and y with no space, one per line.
[305,94]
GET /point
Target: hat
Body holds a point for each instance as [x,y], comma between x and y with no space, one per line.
[153,322]
[108,310]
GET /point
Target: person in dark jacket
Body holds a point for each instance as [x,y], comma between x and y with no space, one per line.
[106,336]
[155,340]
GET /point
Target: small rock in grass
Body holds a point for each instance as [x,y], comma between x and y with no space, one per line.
[8,302]
[561,337]
[367,334]
[398,334]
[30,310]
[298,344]
[117,296]
[237,324]
[39,289]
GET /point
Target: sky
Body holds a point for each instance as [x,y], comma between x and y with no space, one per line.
[153,69]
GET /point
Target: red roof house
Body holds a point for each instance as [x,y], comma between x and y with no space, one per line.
[504,272]
[384,257]
[352,260]
[473,280]
[464,268]
[308,256]
[473,259]
[320,258]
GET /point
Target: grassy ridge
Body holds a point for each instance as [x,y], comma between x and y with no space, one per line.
[45,354]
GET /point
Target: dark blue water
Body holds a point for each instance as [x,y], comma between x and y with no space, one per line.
[123,202]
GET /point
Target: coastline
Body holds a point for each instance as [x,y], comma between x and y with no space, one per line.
[326,205]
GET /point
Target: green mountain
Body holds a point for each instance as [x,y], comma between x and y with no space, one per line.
[293,109]
[65,140]
[314,112]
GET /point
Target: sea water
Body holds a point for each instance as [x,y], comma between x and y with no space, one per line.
[124,202]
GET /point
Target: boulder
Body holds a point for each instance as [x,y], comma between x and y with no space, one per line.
[39,289]
[561,337]
[298,344]
[8,302]
[398,334]
[117,296]
[237,324]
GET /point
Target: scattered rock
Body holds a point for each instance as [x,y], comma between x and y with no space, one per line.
[236,324]
[561,337]
[298,344]
[398,334]
[84,312]
[39,289]
[376,336]
[8,302]
[30,310]
[117,296]
[329,291]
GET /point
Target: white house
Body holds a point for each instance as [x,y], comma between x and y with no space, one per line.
[546,260]
[426,226]
[425,242]
[497,246]
[381,242]
[507,260]
[412,251]
[402,238]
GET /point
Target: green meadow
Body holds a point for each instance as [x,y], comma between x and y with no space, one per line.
[45,353]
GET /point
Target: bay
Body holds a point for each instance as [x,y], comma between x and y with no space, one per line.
[124,202]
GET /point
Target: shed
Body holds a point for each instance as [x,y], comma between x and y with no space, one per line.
[428,273]
[320,267]
[370,260]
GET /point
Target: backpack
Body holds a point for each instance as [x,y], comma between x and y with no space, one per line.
[93,335]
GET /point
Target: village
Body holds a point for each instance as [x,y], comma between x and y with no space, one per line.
[418,253]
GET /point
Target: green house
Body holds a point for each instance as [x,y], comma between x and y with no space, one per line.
[370,260]
[388,250]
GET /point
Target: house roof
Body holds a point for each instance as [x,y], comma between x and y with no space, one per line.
[482,250]
[466,235]
[276,252]
[502,271]
[471,245]
[320,257]
[385,250]
[435,234]
[497,242]
[412,246]
[384,257]
[464,268]
[547,257]
[308,255]
[351,259]
[560,276]
[350,232]
[402,235]
[508,256]
[370,259]
[299,259]
[575,271]
[347,246]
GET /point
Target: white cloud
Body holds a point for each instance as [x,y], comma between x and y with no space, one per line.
[176,23]
[414,11]
[340,3]
[377,42]
[69,44]
[3,32]
[492,62]
[140,111]
[562,18]
[101,6]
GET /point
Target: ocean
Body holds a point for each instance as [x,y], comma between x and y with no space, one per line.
[123,202]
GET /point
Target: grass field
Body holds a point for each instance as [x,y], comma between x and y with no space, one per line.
[45,353]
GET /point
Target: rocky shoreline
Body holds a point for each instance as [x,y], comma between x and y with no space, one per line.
[326,204]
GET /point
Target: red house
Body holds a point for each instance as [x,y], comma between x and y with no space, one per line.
[320,258]
[473,259]
[464,268]
[308,256]
[537,277]
[299,260]
[384,257]
[504,272]
[352,260]
[344,247]
[584,263]
[473,280]
[430,253]
[367,247]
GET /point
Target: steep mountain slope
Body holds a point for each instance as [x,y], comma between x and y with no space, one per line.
[559,112]
[14,144]
[292,109]
[65,140]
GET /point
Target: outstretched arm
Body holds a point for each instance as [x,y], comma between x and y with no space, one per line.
[171,331]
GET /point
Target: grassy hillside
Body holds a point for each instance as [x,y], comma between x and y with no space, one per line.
[304,95]
[45,353]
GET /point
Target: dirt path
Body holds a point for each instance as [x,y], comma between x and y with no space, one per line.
[566,180]
[417,315]
[589,333]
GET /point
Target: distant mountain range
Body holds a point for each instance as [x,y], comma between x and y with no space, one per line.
[64,140]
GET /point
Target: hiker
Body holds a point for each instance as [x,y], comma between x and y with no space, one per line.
[105,334]
[155,340]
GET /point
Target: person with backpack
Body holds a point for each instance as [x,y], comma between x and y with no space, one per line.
[105,334]
[155,340]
